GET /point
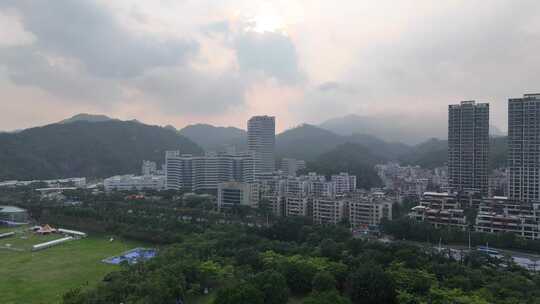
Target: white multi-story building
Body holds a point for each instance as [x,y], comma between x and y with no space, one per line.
[77,182]
[412,180]
[369,210]
[328,210]
[468,147]
[344,182]
[148,168]
[523,148]
[204,173]
[261,143]
[500,215]
[297,206]
[277,204]
[296,187]
[440,210]
[132,182]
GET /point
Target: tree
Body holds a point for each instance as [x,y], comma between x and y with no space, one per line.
[241,294]
[446,296]
[324,281]
[273,285]
[73,297]
[369,284]
[411,280]
[330,249]
[328,297]
[299,276]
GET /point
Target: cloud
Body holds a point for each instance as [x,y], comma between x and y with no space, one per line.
[58,75]
[270,53]
[82,53]
[212,61]
[222,26]
[86,31]
[12,32]
[436,56]
[181,90]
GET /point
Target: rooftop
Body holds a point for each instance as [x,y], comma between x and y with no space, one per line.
[11,209]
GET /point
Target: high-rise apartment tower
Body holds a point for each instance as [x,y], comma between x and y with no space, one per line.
[261,143]
[524,148]
[468,147]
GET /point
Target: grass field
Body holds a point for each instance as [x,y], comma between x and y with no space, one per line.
[44,276]
[24,239]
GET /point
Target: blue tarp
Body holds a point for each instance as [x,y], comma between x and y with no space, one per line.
[132,257]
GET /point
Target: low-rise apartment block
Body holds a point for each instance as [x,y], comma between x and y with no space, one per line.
[328,210]
[369,211]
[297,206]
[132,182]
[440,210]
[499,215]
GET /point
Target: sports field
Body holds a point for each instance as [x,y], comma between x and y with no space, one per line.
[44,276]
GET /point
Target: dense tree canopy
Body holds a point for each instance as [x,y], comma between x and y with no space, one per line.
[228,259]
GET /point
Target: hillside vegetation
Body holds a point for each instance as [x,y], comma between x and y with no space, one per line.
[90,149]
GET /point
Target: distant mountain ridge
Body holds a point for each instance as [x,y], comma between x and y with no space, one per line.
[433,153]
[353,158]
[303,142]
[97,146]
[213,138]
[391,128]
[90,149]
[87,118]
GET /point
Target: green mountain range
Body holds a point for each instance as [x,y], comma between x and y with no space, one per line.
[83,148]
[99,146]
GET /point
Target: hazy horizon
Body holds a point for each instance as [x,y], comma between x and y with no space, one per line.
[301,61]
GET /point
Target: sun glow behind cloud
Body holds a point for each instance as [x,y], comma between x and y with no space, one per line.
[267,23]
[272,18]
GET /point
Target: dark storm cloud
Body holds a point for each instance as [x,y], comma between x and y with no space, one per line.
[84,30]
[272,54]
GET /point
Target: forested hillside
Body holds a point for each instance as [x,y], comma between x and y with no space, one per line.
[89,149]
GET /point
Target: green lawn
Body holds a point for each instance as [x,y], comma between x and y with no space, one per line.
[24,239]
[4,229]
[44,276]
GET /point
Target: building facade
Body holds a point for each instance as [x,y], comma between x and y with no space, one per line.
[132,182]
[468,147]
[500,215]
[204,173]
[524,148]
[297,206]
[329,211]
[148,167]
[261,143]
[344,183]
[369,211]
[232,194]
[13,214]
[440,210]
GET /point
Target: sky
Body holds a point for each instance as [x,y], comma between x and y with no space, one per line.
[181,62]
